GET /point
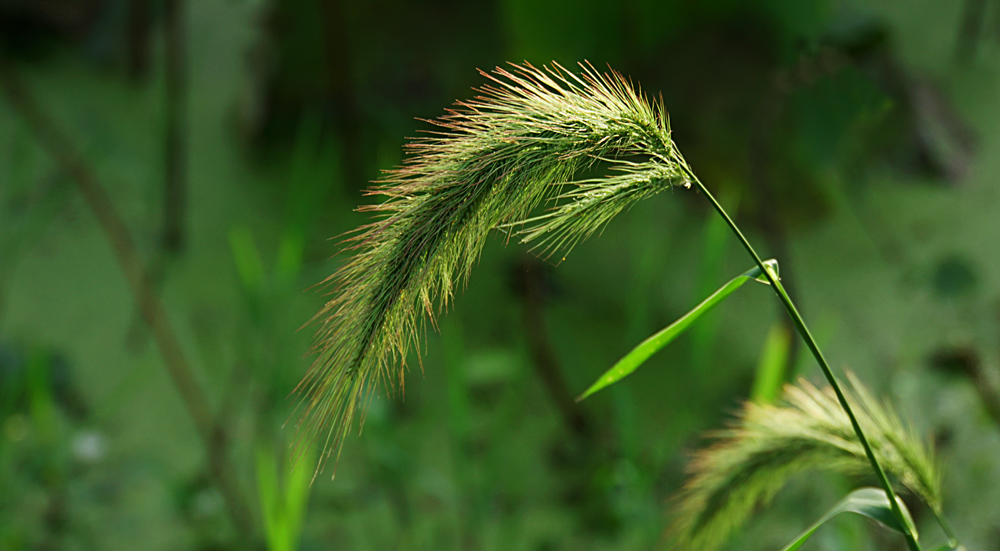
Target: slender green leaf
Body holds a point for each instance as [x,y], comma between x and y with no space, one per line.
[298,484]
[625,366]
[870,502]
[283,506]
[704,336]
[289,260]
[246,255]
[771,365]
[270,499]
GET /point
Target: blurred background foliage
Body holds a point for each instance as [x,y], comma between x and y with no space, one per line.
[859,143]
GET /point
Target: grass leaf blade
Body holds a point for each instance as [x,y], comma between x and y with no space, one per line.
[770,375]
[644,350]
[869,502]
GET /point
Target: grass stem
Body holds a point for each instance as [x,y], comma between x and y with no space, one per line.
[949,532]
[800,326]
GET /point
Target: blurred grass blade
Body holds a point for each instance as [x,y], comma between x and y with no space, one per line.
[270,501]
[771,365]
[705,335]
[289,259]
[298,484]
[870,502]
[650,346]
[283,506]
[246,256]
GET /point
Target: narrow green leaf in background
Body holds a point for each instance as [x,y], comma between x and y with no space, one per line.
[771,365]
[650,346]
[246,256]
[705,335]
[283,506]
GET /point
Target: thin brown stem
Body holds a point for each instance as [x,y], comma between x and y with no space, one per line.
[143,291]
[531,286]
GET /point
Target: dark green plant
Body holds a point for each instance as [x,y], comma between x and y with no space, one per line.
[537,134]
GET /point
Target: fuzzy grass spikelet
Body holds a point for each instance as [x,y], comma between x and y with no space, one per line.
[488,164]
[753,459]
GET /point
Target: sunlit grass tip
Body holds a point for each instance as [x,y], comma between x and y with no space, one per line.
[591,143]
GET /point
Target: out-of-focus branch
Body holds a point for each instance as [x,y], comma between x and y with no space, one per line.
[144,293]
[973,18]
[530,284]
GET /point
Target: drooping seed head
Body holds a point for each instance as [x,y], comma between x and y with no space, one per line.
[488,165]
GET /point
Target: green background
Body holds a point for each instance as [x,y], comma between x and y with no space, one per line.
[857,142]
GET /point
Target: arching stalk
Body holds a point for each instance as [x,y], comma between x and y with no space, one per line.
[800,326]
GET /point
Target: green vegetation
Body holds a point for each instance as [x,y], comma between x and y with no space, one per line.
[526,138]
[172,173]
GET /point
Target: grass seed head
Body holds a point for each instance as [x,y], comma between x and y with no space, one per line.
[768,444]
[528,136]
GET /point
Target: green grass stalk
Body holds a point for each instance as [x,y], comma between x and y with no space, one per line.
[800,326]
